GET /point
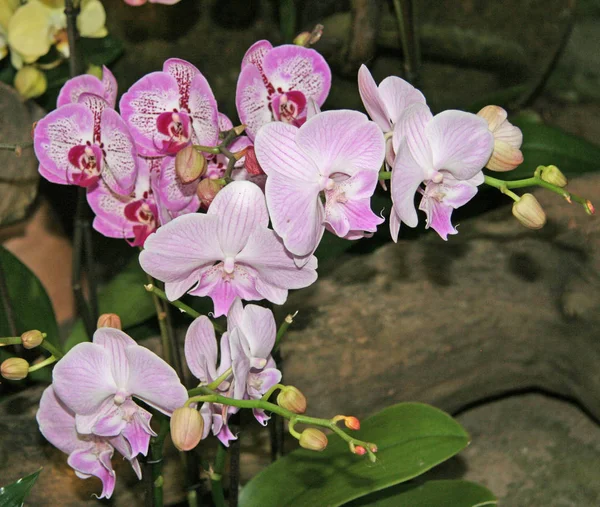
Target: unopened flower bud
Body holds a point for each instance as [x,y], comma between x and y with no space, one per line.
[302,39]
[529,212]
[31,339]
[507,139]
[313,439]
[94,70]
[251,162]
[189,164]
[30,82]
[239,129]
[589,207]
[14,368]
[187,426]
[208,189]
[307,39]
[553,175]
[352,423]
[109,320]
[292,399]
[360,450]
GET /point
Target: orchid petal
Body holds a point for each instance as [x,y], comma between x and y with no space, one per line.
[461,143]
[57,422]
[87,463]
[109,208]
[203,109]
[407,175]
[394,224]
[259,329]
[115,341]
[174,194]
[235,314]
[256,53]
[121,155]
[252,100]
[240,361]
[201,349]
[371,99]
[109,83]
[73,88]
[397,95]
[138,431]
[411,125]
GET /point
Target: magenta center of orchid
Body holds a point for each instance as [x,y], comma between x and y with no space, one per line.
[87,158]
[176,126]
[287,106]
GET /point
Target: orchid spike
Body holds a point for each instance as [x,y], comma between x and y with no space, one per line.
[276,83]
[201,356]
[226,253]
[81,143]
[97,381]
[86,83]
[167,110]
[252,334]
[447,153]
[335,153]
[88,455]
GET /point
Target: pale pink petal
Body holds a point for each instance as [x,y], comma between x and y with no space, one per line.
[235,314]
[203,110]
[174,194]
[396,94]
[138,431]
[88,462]
[342,142]
[510,134]
[57,422]
[73,88]
[256,53]
[55,135]
[258,327]
[252,100]
[141,105]
[240,207]
[120,161]
[115,341]
[312,108]
[110,424]
[271,292]
[224,123]
[411,127]
[439,217]
[394,225]
[240,361]
[372,100]
[407,175]
[153,381]
[461,143]
[274,264]
[83,378]
[201,349]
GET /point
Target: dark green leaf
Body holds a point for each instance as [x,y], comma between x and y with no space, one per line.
[544,145]
[411,437]
[102,51]
[124,295]
[31,305]
[429,494]
[13,495]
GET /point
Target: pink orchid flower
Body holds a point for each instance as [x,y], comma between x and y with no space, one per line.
[157,198]
[201,356]
[252,333]
[276,83]
[447,153]
[335,153]
[89,455]
[77,144]
[97,381]
[86,83]
[167,110]
[226,253]
[137,3]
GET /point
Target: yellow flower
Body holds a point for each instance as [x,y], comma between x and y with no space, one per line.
[37,25]
[30,82]
[7,9]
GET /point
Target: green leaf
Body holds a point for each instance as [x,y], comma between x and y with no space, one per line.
[429,494]
[124,295]
[14,494]
[30,303]
[102,51]
[544,145]
[411,437]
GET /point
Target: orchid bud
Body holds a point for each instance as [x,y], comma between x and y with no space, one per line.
[239,129]
[360,450]
[208,189]
[529,212]
[292,399]
[190,164]
[30,82]
[14,368]
[94,70]
[31,339]
[313,439]
[307,39]
[109,320]
[302,39]
[251,162]
[187,427]
[553,175]
[507,139]
[352,423]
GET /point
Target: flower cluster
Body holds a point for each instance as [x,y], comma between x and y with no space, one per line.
[89,410]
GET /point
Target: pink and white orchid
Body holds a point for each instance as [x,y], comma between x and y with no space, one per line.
[97,381]
[276,83]
[77,144]
[89,455]
[337,154]
[167,110]
[226,253]
[201,356]
[447,153]
[86,83]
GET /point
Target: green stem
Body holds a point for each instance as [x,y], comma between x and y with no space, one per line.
[283,329]
[162,324]
[217,382]
[45,362]
[52,349]
[385,175]
[10,340]
[17,148]
[208,149]
[216,476]
[268,394]
[156,458]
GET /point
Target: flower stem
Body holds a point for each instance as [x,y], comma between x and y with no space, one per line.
[385,175]
[55,351]
[42,364]
[17,148]
[216,476]
[162,324]
[217,382]
[208,149]
[10,340]
[155,461]
[283,329]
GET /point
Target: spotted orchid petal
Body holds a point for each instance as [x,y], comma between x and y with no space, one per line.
[86,83]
